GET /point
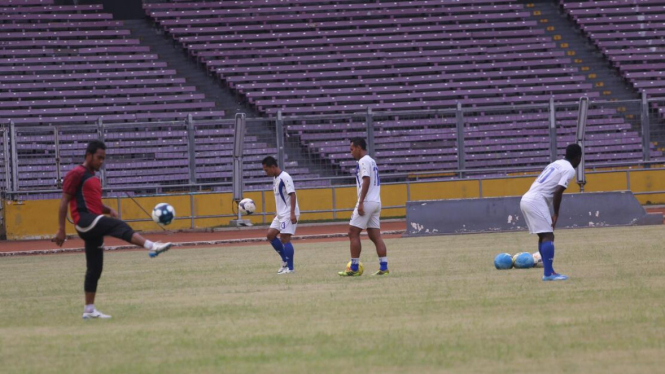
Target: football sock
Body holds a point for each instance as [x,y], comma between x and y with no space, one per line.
[383,263]
[355,262]
[148,245]
[279,248]
[547,253]
[288,254]
[89,308]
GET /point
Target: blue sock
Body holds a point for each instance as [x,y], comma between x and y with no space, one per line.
[383,263]
[288,255]
[279,248]
[355,262]
[546,250]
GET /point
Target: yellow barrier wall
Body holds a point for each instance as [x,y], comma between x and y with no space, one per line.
[38,218]
[648,180]
[445,190]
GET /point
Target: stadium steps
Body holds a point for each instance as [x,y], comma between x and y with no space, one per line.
[196,75]
[187,68]
[569,38]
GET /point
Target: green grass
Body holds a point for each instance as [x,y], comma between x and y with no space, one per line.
[444,308]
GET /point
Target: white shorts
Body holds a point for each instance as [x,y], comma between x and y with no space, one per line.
[371,217]
[537,216]
[284,226]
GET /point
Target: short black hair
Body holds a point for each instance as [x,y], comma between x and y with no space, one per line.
[269,161]
[359,142]
[93,146]
[573,151]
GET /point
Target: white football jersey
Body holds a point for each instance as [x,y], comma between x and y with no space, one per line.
[558,173]
[366,167]
[282,186]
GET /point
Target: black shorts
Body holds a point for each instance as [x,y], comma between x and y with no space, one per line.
[92,229]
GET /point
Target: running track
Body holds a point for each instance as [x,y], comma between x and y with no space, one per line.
[228,236]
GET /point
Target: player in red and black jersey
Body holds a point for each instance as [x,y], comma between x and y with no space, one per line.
[82,191]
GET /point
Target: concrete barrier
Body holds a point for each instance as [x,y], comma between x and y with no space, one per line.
[600,209]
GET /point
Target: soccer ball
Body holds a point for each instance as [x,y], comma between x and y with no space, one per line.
[360,267]
[537,260]
[163,214]
[246,206]
[524,260]
[503,261]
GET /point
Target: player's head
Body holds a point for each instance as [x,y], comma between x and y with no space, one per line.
[95,154]
[358,148]
[270,166]
[574,154]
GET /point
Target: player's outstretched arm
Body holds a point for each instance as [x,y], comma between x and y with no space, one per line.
[62,216]
[556,201]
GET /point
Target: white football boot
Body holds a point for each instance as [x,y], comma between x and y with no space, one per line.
[95,314]
[158,248]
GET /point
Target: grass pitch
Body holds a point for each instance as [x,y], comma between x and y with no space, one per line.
[444,308]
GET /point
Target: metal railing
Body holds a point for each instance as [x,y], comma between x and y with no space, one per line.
[195,156]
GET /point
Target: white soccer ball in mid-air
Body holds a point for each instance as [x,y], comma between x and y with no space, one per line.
[246,206]
[537,260]
[163,214]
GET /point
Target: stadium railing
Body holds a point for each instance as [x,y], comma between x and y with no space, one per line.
[192,155]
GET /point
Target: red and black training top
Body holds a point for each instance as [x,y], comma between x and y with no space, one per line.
[86,190]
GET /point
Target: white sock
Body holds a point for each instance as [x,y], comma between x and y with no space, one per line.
[148,245]
[355,261]
[383,259]
[89,308]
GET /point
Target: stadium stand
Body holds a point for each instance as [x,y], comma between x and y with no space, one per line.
[75,65]
[330,57]
[630,34]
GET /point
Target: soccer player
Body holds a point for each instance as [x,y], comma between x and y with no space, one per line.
[368,209]
[286,219]
[82,191]
[540,205]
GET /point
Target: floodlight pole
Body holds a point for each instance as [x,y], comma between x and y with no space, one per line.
[5,140]
[12,130]
[646,130]
[279,131]
[100,135]
[581,131]
[553,142]
[238,149]
[191,148]
[459,121]
[56,137]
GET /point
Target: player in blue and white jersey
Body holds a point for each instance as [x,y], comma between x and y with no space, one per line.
[367,211]
[540,205]
[287,214]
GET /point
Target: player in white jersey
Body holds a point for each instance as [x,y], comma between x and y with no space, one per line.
[368,209]
[287,216]
[540,205]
